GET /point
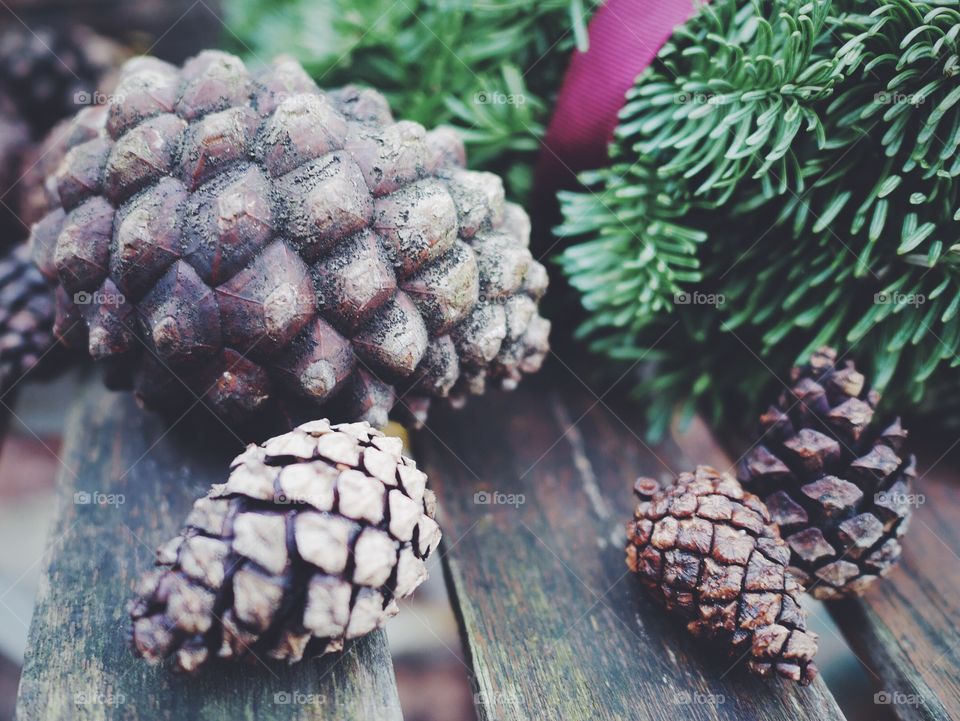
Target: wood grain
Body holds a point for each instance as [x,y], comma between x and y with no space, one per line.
[78,664]
[906,627]
[553,625]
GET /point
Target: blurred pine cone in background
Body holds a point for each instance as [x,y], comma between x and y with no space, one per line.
[47,73]
[14,139]
[26,321]
[51,72]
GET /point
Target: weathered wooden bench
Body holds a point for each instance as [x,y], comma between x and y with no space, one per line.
[534,488]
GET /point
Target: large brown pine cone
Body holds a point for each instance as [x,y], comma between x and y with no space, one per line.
[707,551]
[835,478]
[274,246]
[27,343]
[309,543]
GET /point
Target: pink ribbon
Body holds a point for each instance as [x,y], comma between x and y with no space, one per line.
[625,37]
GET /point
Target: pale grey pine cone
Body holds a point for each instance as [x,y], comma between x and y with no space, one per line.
[309,543]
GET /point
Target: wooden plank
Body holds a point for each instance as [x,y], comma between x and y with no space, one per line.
[78,664]
[906,627]
[553,625]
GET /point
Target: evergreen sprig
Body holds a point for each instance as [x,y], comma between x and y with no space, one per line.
[489,67]
[798,161]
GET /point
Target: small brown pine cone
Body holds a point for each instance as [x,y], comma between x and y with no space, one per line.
[309,543]
[835,477]
[707,551]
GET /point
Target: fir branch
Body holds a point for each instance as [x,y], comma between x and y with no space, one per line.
[639,256]
[817,168]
